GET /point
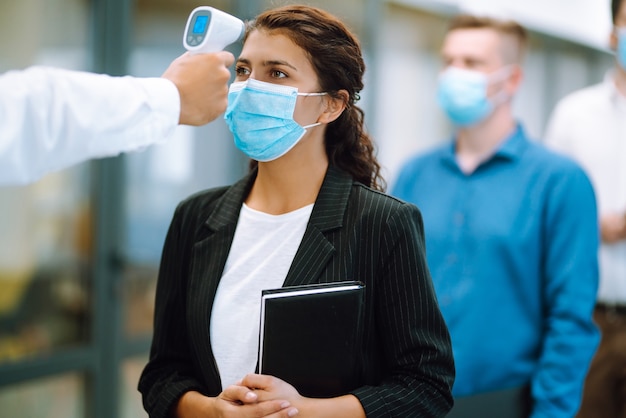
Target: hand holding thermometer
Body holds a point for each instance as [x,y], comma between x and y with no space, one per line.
[211,30]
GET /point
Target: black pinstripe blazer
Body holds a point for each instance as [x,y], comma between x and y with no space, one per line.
[354,233]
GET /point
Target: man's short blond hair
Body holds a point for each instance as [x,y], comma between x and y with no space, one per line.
[515,34]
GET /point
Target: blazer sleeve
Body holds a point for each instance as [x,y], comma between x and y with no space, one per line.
[169,372]
[416,343]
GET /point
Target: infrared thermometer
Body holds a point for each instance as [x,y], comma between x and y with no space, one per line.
[211,30]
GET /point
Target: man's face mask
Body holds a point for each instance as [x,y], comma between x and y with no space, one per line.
[462,94]
[621,46]
[260,117]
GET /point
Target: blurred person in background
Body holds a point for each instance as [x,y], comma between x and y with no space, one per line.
[590,126]
[52,118]
[511,237]
[310,211]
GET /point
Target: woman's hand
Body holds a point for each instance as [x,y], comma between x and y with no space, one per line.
[234,402]
[270,388]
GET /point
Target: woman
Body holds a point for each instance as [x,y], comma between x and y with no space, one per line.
[310,211]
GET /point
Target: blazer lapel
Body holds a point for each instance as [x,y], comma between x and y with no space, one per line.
[208,260]
[316,250]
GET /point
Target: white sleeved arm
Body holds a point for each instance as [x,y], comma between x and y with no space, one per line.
[553,132]
[558,132]
[51,118]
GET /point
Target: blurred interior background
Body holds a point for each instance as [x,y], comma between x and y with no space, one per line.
[79,250]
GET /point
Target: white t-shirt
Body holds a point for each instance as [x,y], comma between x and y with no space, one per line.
[590,126]
[262,251]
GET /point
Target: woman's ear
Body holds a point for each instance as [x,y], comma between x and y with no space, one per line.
[334,106]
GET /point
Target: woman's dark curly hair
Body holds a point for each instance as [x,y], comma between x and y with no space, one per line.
[336,57]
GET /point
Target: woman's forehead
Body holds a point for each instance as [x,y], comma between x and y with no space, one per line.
[273,46]
[261,41]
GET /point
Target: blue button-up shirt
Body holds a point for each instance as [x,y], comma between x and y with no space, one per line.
[512,249]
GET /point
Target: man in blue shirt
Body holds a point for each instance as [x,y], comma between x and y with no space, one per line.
[511,232]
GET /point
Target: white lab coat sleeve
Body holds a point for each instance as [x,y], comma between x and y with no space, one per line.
[51,118]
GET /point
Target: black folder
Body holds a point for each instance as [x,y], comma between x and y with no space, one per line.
[310,337]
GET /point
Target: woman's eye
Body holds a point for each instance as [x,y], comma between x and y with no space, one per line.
[277,74]
[242,71]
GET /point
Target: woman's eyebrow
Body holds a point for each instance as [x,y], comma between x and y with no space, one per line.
[278,62]
[267,63]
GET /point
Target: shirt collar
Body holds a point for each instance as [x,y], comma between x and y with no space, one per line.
[514,145]
[510,149]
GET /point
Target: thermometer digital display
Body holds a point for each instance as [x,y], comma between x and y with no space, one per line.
[200,25]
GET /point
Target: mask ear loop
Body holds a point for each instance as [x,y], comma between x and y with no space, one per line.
[501,73]
[498,76]
[312,94]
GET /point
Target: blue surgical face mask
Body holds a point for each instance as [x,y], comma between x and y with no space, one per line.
[462,94]
[621,46]
[260,117]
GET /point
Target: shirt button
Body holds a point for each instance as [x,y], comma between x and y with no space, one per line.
[459,218]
